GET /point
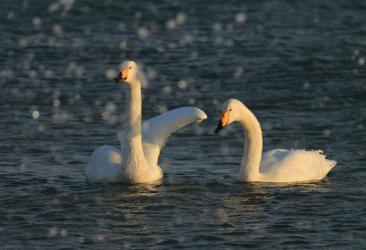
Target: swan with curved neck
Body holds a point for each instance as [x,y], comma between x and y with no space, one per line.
[137,161]
[277,165]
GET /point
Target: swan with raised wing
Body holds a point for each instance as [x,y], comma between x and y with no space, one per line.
[277,165]
[137,161]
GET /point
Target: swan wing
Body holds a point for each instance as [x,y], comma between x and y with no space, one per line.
[157,130]
[104,165]
[281,165]
[272,157]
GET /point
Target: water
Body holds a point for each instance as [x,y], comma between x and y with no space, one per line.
[300,66]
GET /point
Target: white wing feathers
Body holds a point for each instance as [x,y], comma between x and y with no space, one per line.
[158,129]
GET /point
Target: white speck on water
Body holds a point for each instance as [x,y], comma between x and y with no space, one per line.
[73,69]
[123,45]
[194,55]
[37,21]
[151,73]
[143,32]
[217,27]
[172,45]
[167,90]
[56,103]
[77,43]
[41,128]
[181,17]
[306,85]
[6,73]
[10,15]
[52,232]
[48,73]
[53,7]
[63,232]
[100,237]
[327,132]
[361,61]
[23,42]
[105,115]
[110,107]
[53,43]
[229,42]
[57,29]
[182,84]
[110,74]
[187,38]
[61,117]
[170,24]
[138,15]
[81,239]
[67,4]
[162,109]
[240,18]
[238,72]
[97,103]
[32,74]
[35,114]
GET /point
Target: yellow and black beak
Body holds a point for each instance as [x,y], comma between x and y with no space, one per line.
[224,120]
[122,76]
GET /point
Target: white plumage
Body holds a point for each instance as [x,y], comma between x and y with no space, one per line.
[137,161]
[277,165]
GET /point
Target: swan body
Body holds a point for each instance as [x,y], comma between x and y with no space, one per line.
[277,165]
[137,160]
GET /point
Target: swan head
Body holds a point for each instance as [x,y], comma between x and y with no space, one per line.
[230,113]
[130,74]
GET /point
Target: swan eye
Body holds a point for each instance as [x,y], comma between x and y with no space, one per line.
[230,109]
[130,67]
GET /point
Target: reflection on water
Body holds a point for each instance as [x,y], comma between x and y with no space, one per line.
[300,66]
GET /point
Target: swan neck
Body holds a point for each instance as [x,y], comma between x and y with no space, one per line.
[133,131]
[249,170]
[134,110]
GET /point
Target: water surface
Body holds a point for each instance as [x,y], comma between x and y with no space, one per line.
[299,66]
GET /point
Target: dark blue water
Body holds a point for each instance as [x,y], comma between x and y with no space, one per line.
[300,66]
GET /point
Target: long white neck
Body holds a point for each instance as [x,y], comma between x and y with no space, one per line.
[249,169]
[133,138]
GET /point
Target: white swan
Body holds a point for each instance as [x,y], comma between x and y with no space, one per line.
[277,165]
[137,161]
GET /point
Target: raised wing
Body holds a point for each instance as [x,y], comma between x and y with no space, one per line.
[158,129]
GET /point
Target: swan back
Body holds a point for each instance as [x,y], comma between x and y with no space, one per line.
[281,165]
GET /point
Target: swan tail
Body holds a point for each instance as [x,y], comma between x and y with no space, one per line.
[331,164]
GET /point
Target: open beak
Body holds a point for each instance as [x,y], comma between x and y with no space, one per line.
[122,76]
[224,120]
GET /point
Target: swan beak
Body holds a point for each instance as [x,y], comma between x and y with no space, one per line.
[224,120]
[122,76]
